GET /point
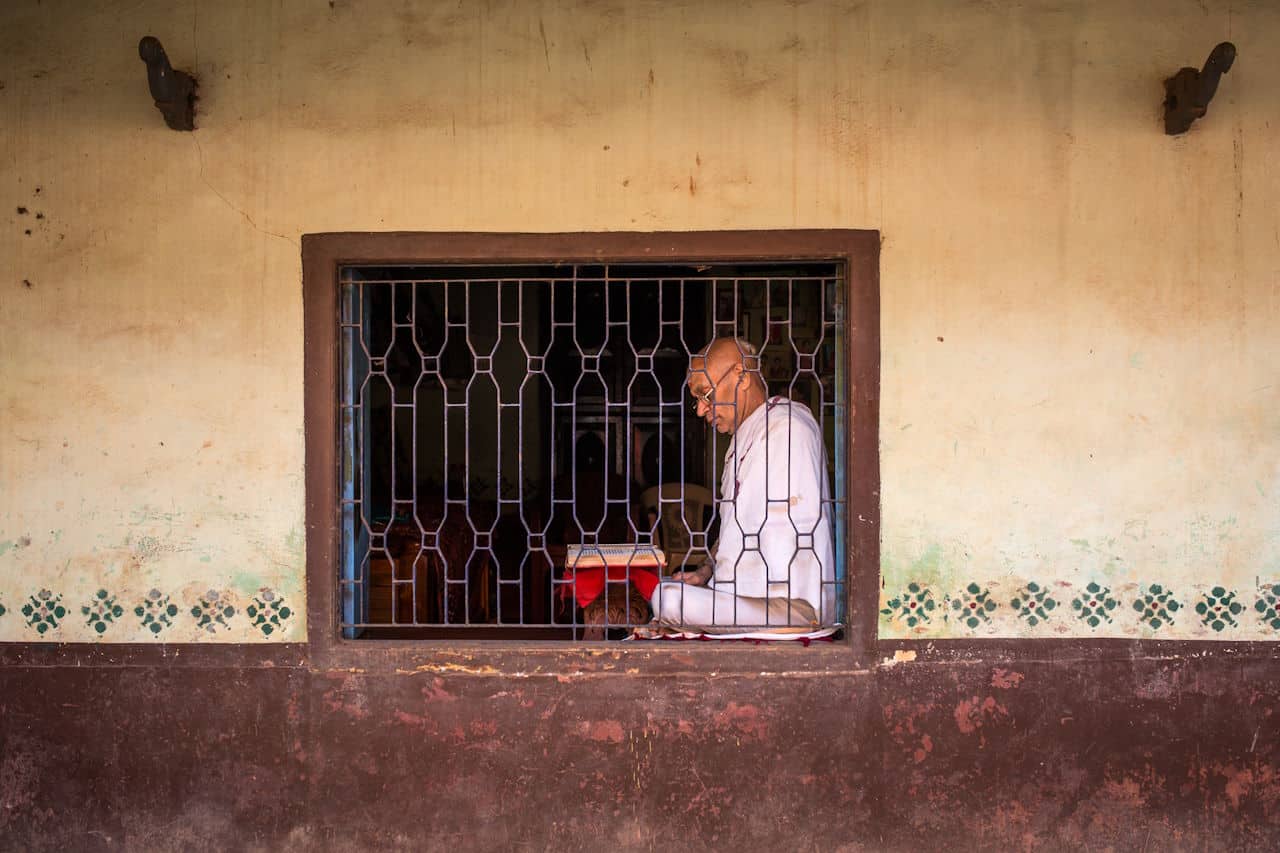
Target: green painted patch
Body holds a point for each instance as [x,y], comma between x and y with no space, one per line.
[296,544]
[247,582]
[927,569]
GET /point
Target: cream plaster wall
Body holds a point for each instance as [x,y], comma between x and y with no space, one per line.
[1079,322]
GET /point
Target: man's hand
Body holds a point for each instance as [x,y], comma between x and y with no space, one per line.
[697,577]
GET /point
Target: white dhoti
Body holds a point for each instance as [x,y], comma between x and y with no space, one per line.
[714,611]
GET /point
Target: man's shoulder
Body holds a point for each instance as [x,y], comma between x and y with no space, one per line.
[789,417]
[781,408]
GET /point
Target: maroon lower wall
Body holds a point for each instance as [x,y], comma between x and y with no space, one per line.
[1127,754]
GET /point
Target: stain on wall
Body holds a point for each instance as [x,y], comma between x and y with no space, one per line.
[1079,395]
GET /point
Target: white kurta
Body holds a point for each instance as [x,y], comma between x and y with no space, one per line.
[775,529]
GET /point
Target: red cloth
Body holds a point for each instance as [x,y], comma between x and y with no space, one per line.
[588,582]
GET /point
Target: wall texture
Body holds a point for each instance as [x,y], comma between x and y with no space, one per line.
[1079,313]
[1025,755]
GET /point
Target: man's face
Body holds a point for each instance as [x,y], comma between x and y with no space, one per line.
[713,385]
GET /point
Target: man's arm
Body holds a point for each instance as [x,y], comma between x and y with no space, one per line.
[700,575]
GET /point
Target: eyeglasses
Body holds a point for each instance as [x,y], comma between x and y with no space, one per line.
[706,396]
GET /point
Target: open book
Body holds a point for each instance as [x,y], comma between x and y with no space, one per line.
[595,556]
[589,567]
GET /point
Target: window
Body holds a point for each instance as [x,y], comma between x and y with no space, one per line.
[510,416]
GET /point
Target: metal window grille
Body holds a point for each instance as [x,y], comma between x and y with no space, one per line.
[501,425]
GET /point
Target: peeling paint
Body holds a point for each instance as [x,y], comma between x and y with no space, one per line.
[455,668]
[974,713]
[746,720]
[1005,679]
[608,731]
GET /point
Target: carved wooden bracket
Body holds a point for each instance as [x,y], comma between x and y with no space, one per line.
[174,91]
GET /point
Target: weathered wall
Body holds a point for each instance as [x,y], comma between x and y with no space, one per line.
[1078,386]
[1111,755]
[1078,312]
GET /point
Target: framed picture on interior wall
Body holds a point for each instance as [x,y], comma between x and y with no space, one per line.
[776,367]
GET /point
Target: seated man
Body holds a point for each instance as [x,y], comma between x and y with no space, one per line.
[775,548]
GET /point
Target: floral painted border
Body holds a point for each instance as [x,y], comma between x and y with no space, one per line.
[46,613]
[1035,608]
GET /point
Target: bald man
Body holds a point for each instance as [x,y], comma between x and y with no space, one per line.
[773,567]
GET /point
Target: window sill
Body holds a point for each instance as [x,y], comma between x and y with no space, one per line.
[562,661]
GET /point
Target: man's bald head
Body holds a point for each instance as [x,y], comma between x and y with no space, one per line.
[723,352]
[724,379]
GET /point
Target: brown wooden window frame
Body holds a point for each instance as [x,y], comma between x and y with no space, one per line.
[323,256]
